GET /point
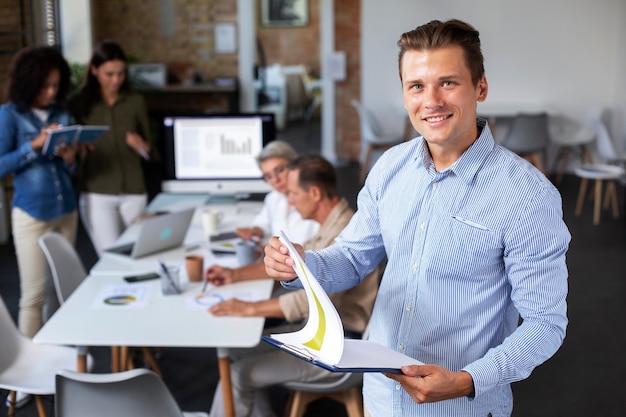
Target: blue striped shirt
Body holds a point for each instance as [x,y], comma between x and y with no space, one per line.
[468,248]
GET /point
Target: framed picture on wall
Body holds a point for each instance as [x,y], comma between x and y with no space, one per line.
[284,13]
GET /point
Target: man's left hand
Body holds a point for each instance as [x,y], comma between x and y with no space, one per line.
[432,383]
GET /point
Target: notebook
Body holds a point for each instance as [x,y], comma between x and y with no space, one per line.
[157,234]
[71,134]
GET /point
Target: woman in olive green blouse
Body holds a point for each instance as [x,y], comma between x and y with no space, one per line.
[111,182]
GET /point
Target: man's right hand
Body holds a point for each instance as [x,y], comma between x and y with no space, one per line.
[254,234]
[278,264]
[218,275]
[38,142]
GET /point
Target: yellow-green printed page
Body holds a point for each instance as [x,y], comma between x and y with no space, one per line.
[322,336]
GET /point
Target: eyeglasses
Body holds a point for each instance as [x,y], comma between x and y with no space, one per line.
[269,176]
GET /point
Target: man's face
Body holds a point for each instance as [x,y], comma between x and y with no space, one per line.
[303,200]
[440,97]
[275,173]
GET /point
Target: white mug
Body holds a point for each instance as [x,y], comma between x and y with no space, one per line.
[211,221]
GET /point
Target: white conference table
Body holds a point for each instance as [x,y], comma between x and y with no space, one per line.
[160,320]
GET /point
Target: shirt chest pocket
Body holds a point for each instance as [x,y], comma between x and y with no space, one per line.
[477,241]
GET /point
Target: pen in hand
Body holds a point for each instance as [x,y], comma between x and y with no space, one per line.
[143,154]
[206,282]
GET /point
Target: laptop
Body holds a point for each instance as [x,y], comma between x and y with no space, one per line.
[157,234]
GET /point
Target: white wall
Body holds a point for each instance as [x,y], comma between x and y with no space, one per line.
[76,36]
[564,55]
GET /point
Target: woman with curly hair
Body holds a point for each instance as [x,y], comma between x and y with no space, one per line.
[111,182]
[43,198]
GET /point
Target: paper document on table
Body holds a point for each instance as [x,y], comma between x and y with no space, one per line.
[321,341]
[118,297]
[218,294]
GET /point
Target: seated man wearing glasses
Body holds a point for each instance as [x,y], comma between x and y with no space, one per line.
[277,214]
[312,185]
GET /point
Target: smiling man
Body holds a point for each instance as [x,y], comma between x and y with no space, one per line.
[474,236]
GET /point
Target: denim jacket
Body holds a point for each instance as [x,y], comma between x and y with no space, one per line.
[42,184]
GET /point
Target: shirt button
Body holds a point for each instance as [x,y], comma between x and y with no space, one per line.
[408,308]
[398,386]
[423,226]
[53,169]
[414,267]
[59,197]
[57,183]
[435,185]
[401,347]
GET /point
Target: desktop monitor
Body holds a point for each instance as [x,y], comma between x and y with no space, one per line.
[215,153]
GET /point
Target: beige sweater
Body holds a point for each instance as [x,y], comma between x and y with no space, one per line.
[354,305]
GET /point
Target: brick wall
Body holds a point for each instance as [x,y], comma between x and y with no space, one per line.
[348,39]
[13,20]
[178,32]
[181,32]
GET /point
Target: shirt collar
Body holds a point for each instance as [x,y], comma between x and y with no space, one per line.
[471,160]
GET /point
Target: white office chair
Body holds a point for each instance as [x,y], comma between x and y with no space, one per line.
[276,90]
[604,142]
[372,138]
[571,137]
[529,137]
[65,265]
[138,392]
[298,95]
[67,273]
[610,171]
[29,367]
[341,387]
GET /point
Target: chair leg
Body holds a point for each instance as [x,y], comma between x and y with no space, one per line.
[353,401]
[127,359]
[289,404]
[350,398]
[123,358]
[115,359]
[40,408]
[537,160]
[611,197]
[300,401]
[366,163]
[585,155]
[81,363]
[581,197]
[13,399]
[148,357]
[597,203]
[560,163]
